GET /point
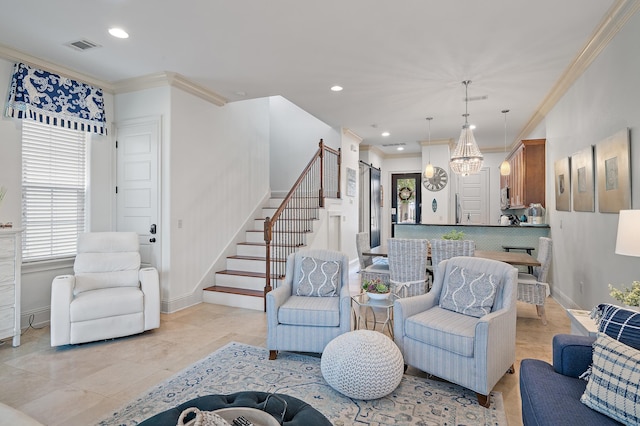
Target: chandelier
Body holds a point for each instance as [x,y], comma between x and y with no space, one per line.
[466,158]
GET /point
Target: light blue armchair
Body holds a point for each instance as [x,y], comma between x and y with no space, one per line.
[304,323]
[467,347]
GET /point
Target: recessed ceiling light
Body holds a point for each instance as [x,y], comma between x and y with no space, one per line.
[400,148]
[118,33]
[385,134]
[336,88]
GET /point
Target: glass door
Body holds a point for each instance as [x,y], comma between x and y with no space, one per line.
[406,199]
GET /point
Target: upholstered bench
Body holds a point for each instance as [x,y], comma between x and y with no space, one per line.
[298,412]
[362,364]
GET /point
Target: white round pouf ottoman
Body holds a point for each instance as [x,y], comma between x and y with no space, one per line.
[362,364]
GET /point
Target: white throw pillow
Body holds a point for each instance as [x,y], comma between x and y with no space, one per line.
[614,383]
[469,292]
[318,278]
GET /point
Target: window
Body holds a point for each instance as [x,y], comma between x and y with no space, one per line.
[53,190]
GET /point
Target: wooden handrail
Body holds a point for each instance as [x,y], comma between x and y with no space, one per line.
[299,207]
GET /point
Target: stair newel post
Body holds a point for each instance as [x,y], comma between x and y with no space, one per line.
[267,243]
[321,192]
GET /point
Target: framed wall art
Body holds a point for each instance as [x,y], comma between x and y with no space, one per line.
[351,182]
[582,182]
[563,185]
[613,171]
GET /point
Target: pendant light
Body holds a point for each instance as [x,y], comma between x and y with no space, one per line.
[428,171]
[466,158]
[505,167]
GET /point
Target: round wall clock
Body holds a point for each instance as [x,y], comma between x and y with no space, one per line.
[438,181]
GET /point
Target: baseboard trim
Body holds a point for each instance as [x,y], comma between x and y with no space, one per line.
[180,303]
[41,318]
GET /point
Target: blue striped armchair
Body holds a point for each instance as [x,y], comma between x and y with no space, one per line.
[307,323]
[444,334]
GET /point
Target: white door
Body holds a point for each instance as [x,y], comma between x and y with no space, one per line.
[474,198]
[137,180]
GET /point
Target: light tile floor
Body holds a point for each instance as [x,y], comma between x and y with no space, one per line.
[79,385]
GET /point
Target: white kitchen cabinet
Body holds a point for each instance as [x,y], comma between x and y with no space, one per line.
[10,264]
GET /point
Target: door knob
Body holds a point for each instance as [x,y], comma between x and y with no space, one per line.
[152,240]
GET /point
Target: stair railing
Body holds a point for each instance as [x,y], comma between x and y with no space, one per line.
[285,231]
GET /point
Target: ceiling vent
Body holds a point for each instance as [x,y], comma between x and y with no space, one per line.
[82,45]
[394,144]
[475,98]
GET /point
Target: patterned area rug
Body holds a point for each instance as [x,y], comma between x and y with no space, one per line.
[238,367]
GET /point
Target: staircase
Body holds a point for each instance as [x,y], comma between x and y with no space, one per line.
[242,283]
[259,265]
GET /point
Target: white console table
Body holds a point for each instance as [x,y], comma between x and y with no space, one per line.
[10,267]
[581,323]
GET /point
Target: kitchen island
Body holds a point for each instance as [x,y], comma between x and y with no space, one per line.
[487,237]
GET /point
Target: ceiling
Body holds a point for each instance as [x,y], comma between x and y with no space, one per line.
[398,62]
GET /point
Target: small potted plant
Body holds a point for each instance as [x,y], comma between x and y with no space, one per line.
[453,235]
[376,288]
[628,296]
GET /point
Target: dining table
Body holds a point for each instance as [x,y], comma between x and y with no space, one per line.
[510,257]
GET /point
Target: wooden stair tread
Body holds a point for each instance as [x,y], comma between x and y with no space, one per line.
[272,245]
[233,290]
[295,219]
[283,232]
[247,274]
[235,256]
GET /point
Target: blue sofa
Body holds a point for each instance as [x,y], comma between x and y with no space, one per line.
[551,394]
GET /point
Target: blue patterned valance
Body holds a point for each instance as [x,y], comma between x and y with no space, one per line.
[52,99]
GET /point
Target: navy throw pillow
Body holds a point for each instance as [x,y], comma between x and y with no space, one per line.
[620,324]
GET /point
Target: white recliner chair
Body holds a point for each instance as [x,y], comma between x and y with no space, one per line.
[109,296]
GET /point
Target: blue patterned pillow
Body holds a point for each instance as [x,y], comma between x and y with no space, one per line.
[318,278]
[620,324]
[613,388]
[469,292]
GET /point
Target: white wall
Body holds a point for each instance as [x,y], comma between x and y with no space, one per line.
[439,154]
[220,174]
[603,101]
[294,139]
[349,205]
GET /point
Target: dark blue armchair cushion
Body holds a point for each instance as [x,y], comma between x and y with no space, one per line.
[551,399]
[619,323]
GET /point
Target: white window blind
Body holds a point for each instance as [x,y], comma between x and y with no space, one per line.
[53,190]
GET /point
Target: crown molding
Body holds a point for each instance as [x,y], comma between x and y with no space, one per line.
[496,149]
[374,149]
[128,85]
[614,20]
[18,56]
[172,79]
[353,135]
